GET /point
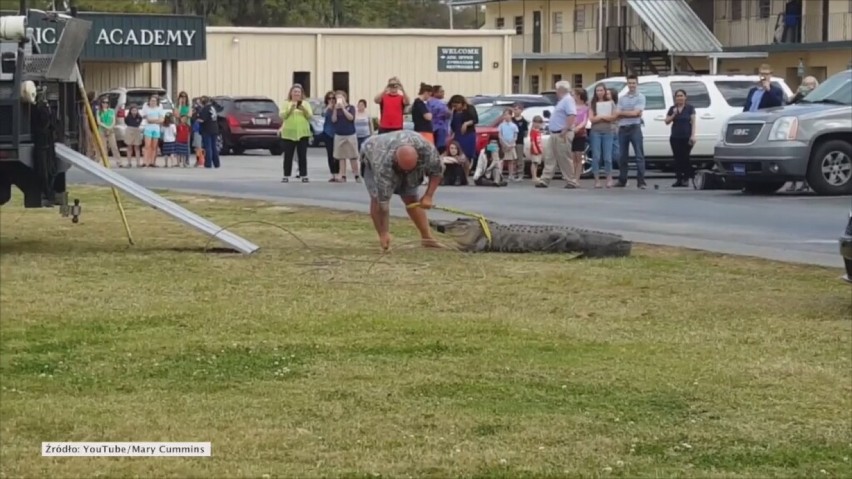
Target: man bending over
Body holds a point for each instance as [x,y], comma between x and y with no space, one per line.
[395,163]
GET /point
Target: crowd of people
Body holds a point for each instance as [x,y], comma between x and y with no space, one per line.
[184,137]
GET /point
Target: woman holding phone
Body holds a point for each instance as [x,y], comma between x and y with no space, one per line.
[295,132]
[681,117]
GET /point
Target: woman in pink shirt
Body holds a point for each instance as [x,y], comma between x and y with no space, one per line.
[578,146]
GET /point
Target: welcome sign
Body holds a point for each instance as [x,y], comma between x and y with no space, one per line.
[129,37]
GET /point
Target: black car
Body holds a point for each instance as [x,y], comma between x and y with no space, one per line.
[846,248]
[248,122]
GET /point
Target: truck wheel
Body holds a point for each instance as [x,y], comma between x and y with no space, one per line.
[830,168]
[763,187]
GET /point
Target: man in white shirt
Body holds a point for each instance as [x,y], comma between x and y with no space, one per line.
[561,135]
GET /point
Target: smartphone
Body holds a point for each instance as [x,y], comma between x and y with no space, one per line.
[341,100]
[298,103]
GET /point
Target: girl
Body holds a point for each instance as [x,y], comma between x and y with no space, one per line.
[345,139]
[169,140]
[183,108]
[153,116]
[454,159]
[601,135]
[681,117]
[182,141]
[363,123]
[295,132]
[578,146]
[536,147]
[489,167]
[133,136]
[463,125]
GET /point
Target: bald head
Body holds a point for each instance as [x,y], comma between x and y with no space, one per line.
[810,82]
[406,158]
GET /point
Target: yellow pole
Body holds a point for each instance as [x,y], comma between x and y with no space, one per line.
[93,129]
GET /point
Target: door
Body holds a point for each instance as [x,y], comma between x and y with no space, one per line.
[340,82]
[536,46]
[708,117]
[304,79]
[655,131]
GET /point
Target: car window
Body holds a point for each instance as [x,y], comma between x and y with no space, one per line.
[735,92]
[836,89]
[218,105]
[488,115]
[654,98]
[140,98]
[696,92]
[256,106]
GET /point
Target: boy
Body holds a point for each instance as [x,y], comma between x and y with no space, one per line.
[536,147]
[182,148]
[508,135]
[523,127]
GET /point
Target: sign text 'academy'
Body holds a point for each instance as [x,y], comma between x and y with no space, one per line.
[117,36]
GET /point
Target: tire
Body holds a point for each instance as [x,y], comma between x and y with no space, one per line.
[277,149]
[763,187]
[221,145]
[238,150]
[830,168]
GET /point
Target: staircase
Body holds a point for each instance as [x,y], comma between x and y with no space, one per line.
[653,62]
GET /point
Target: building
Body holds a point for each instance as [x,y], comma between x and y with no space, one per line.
[130,49]
[268,61]
[586,40]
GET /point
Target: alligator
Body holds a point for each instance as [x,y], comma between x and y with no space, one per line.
[470,235]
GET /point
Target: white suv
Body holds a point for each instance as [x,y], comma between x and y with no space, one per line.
[121,98]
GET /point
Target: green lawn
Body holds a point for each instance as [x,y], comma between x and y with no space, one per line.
[331,361]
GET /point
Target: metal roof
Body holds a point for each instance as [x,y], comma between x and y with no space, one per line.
[677,26]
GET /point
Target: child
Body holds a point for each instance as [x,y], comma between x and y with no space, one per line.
[489,168]
[536,147]
[169,137]
[456,166]
[508,134]
[523,130]
[182,139]
[198,143]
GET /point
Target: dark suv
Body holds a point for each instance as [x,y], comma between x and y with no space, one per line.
[248,122]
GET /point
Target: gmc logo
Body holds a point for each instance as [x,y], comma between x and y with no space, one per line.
[741,132]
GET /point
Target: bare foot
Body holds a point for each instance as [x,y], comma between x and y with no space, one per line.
[431,243]
[384,241]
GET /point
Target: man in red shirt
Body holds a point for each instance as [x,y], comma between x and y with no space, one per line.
[392,102]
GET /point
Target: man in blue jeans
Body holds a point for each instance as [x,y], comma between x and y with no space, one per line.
[209,133]
[629,113]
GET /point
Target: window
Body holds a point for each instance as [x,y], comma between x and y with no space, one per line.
[499,22]
[557,25]
[736,10]
[519,25]
[577,80]
[556,78]
[579,18]
[654,98]
[735,92]
[600,76]
[516,84]
[764,8]
[534,85]
[696,92]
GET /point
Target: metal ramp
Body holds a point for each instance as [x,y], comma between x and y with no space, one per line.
[154,200]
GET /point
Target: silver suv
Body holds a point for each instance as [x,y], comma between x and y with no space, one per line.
[811,140]
[121,98]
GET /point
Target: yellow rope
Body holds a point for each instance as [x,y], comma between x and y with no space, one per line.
[96,137]
[482,220]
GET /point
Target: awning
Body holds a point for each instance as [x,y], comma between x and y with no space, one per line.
[677,26]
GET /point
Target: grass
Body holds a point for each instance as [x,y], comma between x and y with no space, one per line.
[331,362]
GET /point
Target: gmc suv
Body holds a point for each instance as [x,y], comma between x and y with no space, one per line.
[810,140]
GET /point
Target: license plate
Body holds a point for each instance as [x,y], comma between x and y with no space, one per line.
[261,121]
[739,169]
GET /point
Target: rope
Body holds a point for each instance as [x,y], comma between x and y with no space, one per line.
[325,261]
[482,220]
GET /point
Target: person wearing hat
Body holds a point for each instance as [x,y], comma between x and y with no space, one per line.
[395,163]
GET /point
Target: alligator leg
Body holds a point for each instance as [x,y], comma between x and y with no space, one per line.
[563,242]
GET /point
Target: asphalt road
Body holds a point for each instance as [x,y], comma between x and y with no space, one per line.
[799,228]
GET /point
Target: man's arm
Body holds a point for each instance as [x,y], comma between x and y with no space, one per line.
[435,170]
[378,98]
[776,96]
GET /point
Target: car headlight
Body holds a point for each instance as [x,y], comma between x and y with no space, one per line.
[784,129]
[724,129]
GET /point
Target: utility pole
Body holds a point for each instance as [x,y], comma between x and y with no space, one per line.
[450,7]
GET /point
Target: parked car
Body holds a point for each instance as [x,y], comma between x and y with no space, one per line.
[846,248]
[248,122]
[716,98]
[317,121]
[121,98]
[490,118]
[526,100]
[810,140]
